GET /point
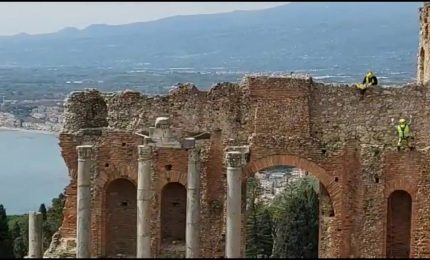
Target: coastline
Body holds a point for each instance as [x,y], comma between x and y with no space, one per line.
[5,128]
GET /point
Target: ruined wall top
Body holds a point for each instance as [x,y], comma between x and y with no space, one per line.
[129,110]
[237,109]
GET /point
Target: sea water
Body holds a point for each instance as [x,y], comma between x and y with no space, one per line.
[32,170]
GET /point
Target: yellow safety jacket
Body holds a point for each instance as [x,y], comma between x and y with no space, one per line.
[368,79]
[361,86]
[403,132]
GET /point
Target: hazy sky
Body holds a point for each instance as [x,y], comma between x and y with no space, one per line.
[45,17]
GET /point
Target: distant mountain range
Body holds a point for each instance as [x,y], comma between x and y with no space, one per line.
[339,40]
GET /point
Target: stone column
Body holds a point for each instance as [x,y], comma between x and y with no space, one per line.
[83,227]
[234,194]
[35,235]
[192,234]
[144,202]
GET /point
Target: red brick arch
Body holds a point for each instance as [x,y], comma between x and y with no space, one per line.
[400,208]
[175,176]
[331,183]
[411,190]
[107,176]
[120,218]
[173,218]
[401,184]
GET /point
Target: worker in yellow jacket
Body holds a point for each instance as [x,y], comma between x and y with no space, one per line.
[404,134]
[369,80]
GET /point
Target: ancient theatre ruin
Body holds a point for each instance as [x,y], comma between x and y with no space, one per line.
[173,168]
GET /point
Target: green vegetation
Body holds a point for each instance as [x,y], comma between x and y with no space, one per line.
[20,244]
[285,228]
[296,217]
[14,229]
[5,238]
[53,219]
[259,226]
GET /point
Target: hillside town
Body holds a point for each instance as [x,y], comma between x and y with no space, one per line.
[274,180]
[38,115]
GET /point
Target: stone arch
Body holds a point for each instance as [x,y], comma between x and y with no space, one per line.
[100,185]
[173,212]
[330,198]
[399,222]
[174,177]
[120,218]
[330,183]
[401,184]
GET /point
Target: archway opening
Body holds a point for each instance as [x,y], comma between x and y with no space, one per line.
[121,222]
[399,224]
[173,219]
[287,211]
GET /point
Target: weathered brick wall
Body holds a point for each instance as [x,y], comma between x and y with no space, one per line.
[89,109]
[399,224]
[121,218]
[173,212]
[423,65]
[326,224]
[280,107]
[347,143]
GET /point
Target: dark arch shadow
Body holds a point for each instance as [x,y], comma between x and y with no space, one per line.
[121,218]
[399,211]
[173,218]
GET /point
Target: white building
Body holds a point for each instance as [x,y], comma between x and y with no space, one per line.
[273,181]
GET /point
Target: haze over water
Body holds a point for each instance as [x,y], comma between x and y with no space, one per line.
[32,170]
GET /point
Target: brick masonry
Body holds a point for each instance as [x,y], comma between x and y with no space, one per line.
[347,143]
[423,67]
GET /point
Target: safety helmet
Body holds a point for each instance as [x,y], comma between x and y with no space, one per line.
[402,121]
[369,73]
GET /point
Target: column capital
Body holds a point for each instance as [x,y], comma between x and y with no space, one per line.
[234,159]
[194,155]
[145,152]
[188,143]
[84,151]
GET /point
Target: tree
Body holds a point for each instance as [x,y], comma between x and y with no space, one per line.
[5,240]
[16,230]
[259,226]
[19,236]
[42,209]
[54,218]
[55,212]
[296,217]
[19,250]
[251,250]
[265,232]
